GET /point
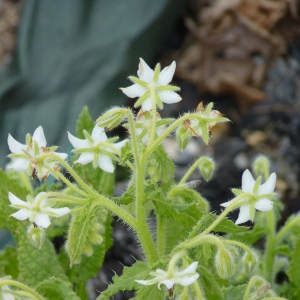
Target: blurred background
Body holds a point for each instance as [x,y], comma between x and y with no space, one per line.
[60,55]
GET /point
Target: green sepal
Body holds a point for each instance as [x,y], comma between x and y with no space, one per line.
[162,122]
[84,122]
[158,101]
[237,192]
[55,288]
[139,81]
[183,137]
[126,282]
[168,88]
[156,72]
[208,109]
[225,225]
[205,132]
[88,136]
[142,99]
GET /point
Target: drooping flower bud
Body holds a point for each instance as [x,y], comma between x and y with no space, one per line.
[224,263]
[36,235]
[260,165]
[207,167]
[250,262]
[112,118]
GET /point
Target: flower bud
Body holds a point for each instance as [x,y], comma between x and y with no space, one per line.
[250,262]
[260,165]
[112,118]
[183,136]
[224,263]
[88,249]
[207,167]
[36,235]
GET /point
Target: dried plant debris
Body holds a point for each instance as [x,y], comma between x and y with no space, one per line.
[231,44]
[10,11]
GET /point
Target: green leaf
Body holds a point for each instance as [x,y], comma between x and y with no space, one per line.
[126,282]
[126,153]
[283,249]
[151,292]
[84,122]
[293,271]
[225,225]
[86,230]
[9,263]
[251,236]
[55,288]
[127,197]
[235,293]
[209,283]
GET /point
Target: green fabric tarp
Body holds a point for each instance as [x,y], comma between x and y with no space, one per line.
[72,53]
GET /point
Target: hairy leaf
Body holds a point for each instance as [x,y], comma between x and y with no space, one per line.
[55,288]
[9,263]
[293,271]
[84,122]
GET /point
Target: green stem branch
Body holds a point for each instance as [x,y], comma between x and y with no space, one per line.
[191,170]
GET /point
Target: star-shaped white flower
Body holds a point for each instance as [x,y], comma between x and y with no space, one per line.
[28,157]
[260,193]
[154,82]
[184,278]
[94,150]
[37,210]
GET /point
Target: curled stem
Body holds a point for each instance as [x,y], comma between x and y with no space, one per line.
[191,170]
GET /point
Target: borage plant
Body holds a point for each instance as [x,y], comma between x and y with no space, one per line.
[194,254]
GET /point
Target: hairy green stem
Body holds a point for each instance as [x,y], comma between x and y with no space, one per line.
[160,235]
[249,286]
[196,241]
[191,170]
[153,125]
[285,229]
[198,291]
[239,244]
[22,286]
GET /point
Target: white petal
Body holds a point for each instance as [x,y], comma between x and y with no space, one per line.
[39,137]
[42,220]
[145,72]
[119,145]
[168,283]
[167,74]
[145,282]
[190,269]
[134,91]
[147,105]
[226,204]
[264,205]
[85,158]
[105,163]
[15,146]
[59,212]
[188,280]
[19,164]
[16,201]
[22,214]
[244,214]
[98,134]
[247,182]
[268,186]
[169,97]
[78,143]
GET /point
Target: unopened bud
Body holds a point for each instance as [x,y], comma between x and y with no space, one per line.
[36,235]
[207,167]
[260,165]
[183,137]
[112,118]
[224,263]
[88,249]
[95,238]
[250,262]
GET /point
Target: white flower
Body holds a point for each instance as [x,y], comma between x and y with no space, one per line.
[37,210]
[153,80]
[6,293]
[93,149]
[28,157]
[261,194]
[185,277]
